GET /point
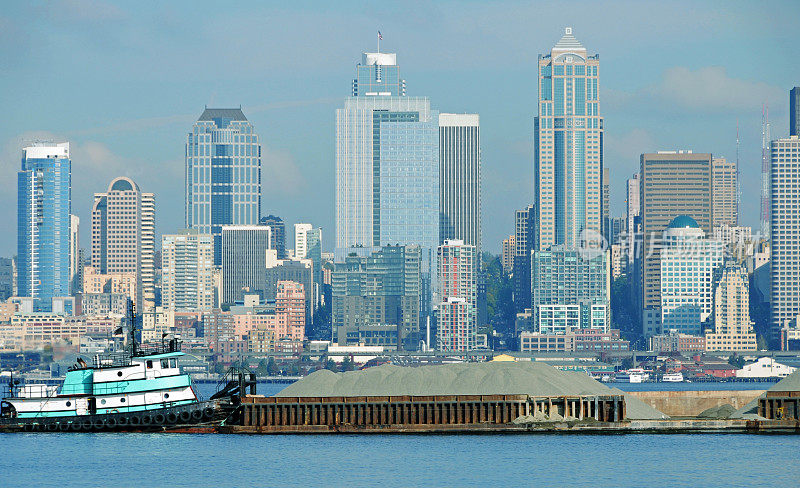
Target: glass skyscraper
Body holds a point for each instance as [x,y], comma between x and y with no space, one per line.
[568,145]
[387,163]
[43,224]
[223,174]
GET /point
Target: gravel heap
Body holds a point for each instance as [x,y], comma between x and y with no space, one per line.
[491,378]
[720,412]
[750,411]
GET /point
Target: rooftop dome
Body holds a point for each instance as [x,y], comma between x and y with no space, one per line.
[683,222]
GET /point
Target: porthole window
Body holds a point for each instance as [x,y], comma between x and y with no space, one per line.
[69,404]
[166,395]
[122,400]
[119,373]
[102,402]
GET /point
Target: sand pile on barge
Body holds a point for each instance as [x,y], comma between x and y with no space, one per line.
[493,378]
[750,411]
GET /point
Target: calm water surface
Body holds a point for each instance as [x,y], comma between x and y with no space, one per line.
[180,460]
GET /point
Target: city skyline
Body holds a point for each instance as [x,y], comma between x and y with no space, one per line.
[144,140]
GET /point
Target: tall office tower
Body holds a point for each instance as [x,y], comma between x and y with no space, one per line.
[387,164]
[571,290]
[75,263]
[376,298]
[794,111]
[733,329]
[223,174]
[43,224]
[785,232]
[300,244]
[568,146]
[187,271]
[244,261]
[525,230]
[672,183]
[457,326]
[607,231]
[725,192]
[314,253]
[632,204]
[460,178]
[278,233]
[123,234]
[509,249]
[689,265]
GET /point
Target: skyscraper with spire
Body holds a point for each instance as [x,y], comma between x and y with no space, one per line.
[568,145]
[387,162]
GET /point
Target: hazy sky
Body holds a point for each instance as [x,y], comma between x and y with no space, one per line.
[124,82]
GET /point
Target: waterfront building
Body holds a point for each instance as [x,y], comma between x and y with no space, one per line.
[223,174]
[218,327]
[460,178]
[244,261]
[123,231]
[689,266]
[785,232]
[571,290]
[387,164]
[671,183]
[733,329]
[725,192]
[578,340]
[457,277]
[382,287]
[157,323]
[44,189]
[673,341]
[794,111]
[509,249]
[278,233]
[187,271]
[524,236]
[568,147]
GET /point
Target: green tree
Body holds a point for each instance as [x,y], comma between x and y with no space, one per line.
[499,295]
[330,365]
[347,364]
[272,368]
[261,370]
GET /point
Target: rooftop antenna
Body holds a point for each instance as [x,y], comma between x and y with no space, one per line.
[380,38]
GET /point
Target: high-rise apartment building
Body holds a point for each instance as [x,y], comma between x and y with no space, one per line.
[671,184]
[524,235]
[387,163]
[43,224]
[123,234]
[568,146]
[509,250]
[223,174]
[571,290]
[6,278]
[689,265]
[725,192]
[457,265]
[278,233]
[290,307]
[379,297]
[295,270]
[733,329]
[794,111]
[187,271]
[460,178]
[244,261]
[785,232]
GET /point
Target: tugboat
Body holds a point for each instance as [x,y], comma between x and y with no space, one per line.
[140,389]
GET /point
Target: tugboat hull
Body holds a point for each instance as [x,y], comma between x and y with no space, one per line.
[200,416]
